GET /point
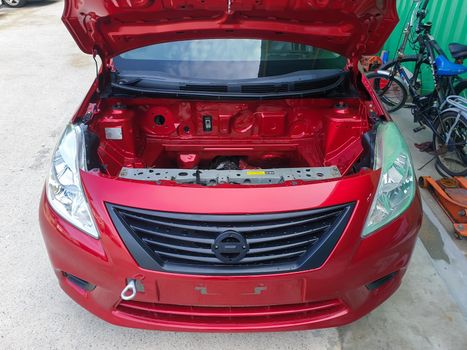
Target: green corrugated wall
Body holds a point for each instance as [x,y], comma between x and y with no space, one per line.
[449,25]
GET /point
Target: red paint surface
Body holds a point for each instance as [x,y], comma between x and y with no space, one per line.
[334,294]
[353,263]
[350,28]
[169,133]
[304,132]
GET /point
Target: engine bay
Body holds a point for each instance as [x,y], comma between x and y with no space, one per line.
[206,142]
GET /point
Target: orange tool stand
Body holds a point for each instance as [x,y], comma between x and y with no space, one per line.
[451,193]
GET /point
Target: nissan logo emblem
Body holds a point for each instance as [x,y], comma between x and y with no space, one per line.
[230,247]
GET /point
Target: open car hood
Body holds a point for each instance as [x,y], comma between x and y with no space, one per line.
[348,27]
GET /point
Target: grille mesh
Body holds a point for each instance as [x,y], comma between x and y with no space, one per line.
[184,242]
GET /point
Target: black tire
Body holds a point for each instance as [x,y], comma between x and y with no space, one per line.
[440,171]
[409,62]
[461,88]
[15,3]
[394,97]
[451,158]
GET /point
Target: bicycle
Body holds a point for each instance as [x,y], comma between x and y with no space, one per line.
[393,83]
[452,126]
[443,113]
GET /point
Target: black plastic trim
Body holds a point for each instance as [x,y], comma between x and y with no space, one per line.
[314,258]
[295,89]
[380,282]
[80,283]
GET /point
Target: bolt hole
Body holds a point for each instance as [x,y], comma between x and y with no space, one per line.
[159,119]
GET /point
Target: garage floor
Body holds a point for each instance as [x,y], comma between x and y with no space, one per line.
[43,77]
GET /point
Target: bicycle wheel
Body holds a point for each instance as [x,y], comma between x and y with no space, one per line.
[461,88]
[452,153]
[425,81]
[391,91]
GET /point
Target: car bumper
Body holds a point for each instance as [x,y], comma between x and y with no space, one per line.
[358,276]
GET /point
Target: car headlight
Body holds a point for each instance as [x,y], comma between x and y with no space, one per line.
[396,188]
[64,191]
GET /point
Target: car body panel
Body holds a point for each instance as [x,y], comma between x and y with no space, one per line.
[359,273]
[343,279]
[353,264]
[111,27]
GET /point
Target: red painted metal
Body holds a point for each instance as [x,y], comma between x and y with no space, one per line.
[169,133]
[237,318]
[111,27]
[309,132]
[353,264]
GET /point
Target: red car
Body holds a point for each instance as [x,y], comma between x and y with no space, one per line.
[230,169]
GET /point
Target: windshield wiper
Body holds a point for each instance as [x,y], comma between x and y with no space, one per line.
[129,81]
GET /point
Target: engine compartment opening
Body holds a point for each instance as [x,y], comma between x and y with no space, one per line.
[230,136]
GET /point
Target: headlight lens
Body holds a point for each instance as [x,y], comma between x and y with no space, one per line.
[64,191]
[396,188]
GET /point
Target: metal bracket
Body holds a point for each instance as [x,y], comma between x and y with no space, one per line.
[241,177]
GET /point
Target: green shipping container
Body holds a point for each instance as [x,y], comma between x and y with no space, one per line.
[449,25]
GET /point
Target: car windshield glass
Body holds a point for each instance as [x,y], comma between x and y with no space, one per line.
[227,59]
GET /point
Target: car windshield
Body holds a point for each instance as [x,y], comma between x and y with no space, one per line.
[227,59]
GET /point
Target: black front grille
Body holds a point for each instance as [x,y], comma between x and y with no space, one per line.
[274,242]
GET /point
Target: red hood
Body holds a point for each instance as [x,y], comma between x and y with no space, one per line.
[348,27]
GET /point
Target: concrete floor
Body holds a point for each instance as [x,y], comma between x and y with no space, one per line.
[43,77]
[425,166]
[449,254]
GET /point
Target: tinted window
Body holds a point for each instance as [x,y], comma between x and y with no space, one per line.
[227,59]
